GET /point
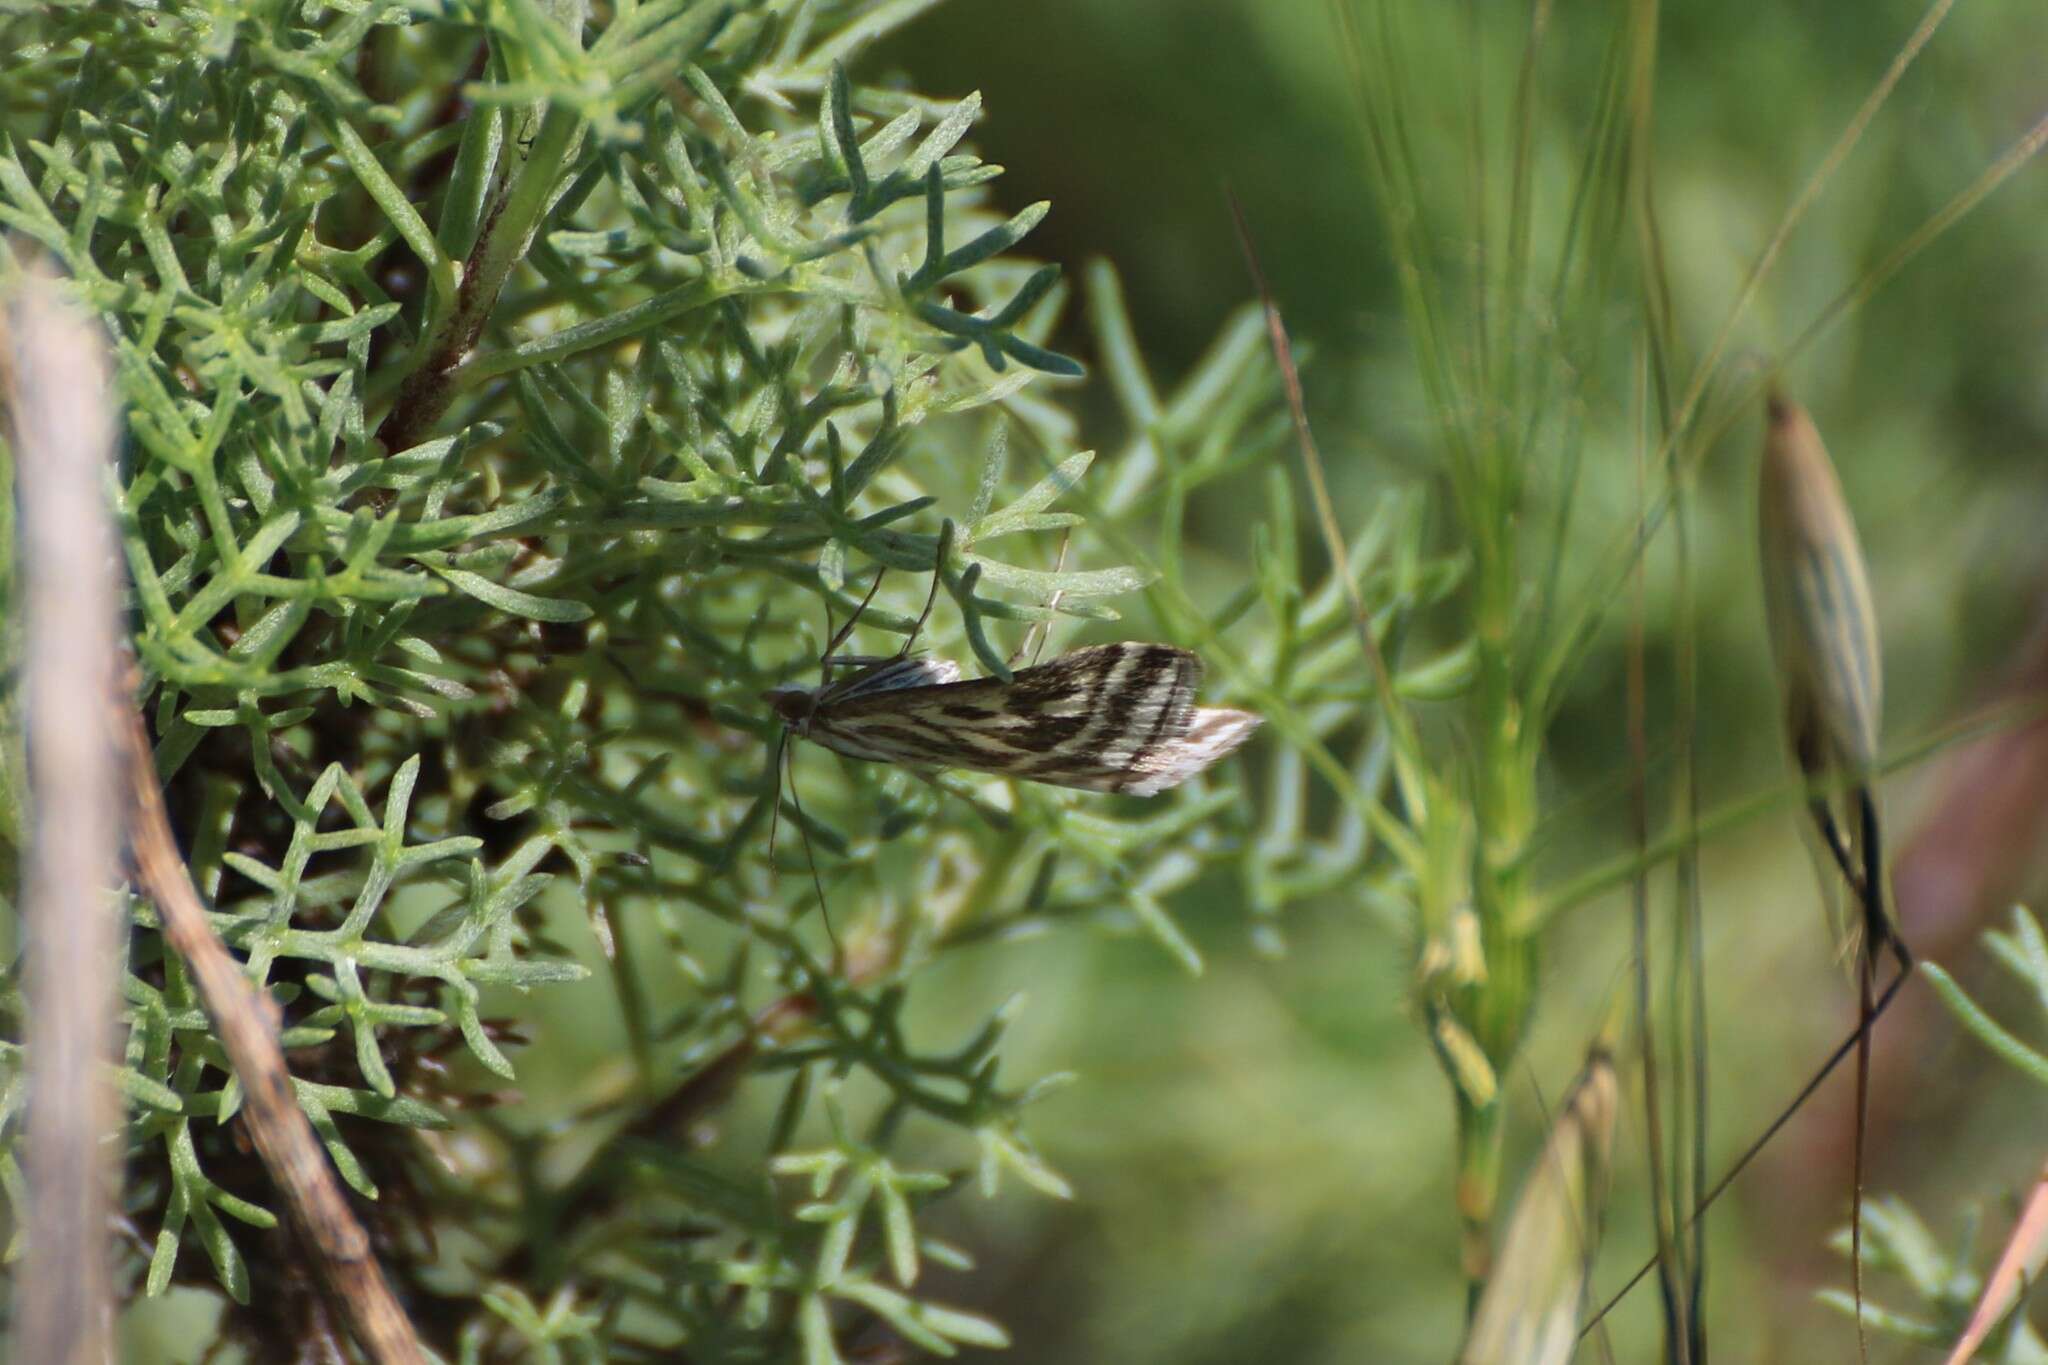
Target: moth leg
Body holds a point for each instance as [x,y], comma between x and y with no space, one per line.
[836,638]
[775,795]
[931,599]
[803,828]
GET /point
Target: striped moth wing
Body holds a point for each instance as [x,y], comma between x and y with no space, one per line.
[1110,718]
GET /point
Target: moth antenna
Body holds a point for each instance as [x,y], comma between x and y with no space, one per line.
[803,828]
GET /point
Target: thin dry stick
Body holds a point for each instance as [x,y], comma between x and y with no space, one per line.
[63,438]
[1319,488]
[243,1019]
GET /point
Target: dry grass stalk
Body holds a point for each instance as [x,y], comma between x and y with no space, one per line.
[62,433]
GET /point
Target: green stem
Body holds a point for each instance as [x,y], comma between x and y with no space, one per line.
[1479,1164]
[507,234]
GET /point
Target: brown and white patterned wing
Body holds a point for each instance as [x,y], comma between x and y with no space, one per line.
[1117,718]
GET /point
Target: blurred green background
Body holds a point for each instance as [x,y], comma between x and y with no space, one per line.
[1263,1154]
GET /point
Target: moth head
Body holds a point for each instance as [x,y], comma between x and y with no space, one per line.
[790,702]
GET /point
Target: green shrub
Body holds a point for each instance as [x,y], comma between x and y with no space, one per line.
[509,401]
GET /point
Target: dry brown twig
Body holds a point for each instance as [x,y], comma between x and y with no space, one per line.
[63,435]
[2019,1267]
[244,1020]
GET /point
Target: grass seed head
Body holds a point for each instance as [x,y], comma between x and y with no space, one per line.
[1817,598]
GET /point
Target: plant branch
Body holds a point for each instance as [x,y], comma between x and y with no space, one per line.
[244,1019]
[507,234]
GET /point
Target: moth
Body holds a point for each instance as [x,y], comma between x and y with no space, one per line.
[1107,718]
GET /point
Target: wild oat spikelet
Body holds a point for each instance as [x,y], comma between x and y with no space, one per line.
[1824,639]
[1529,1313]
